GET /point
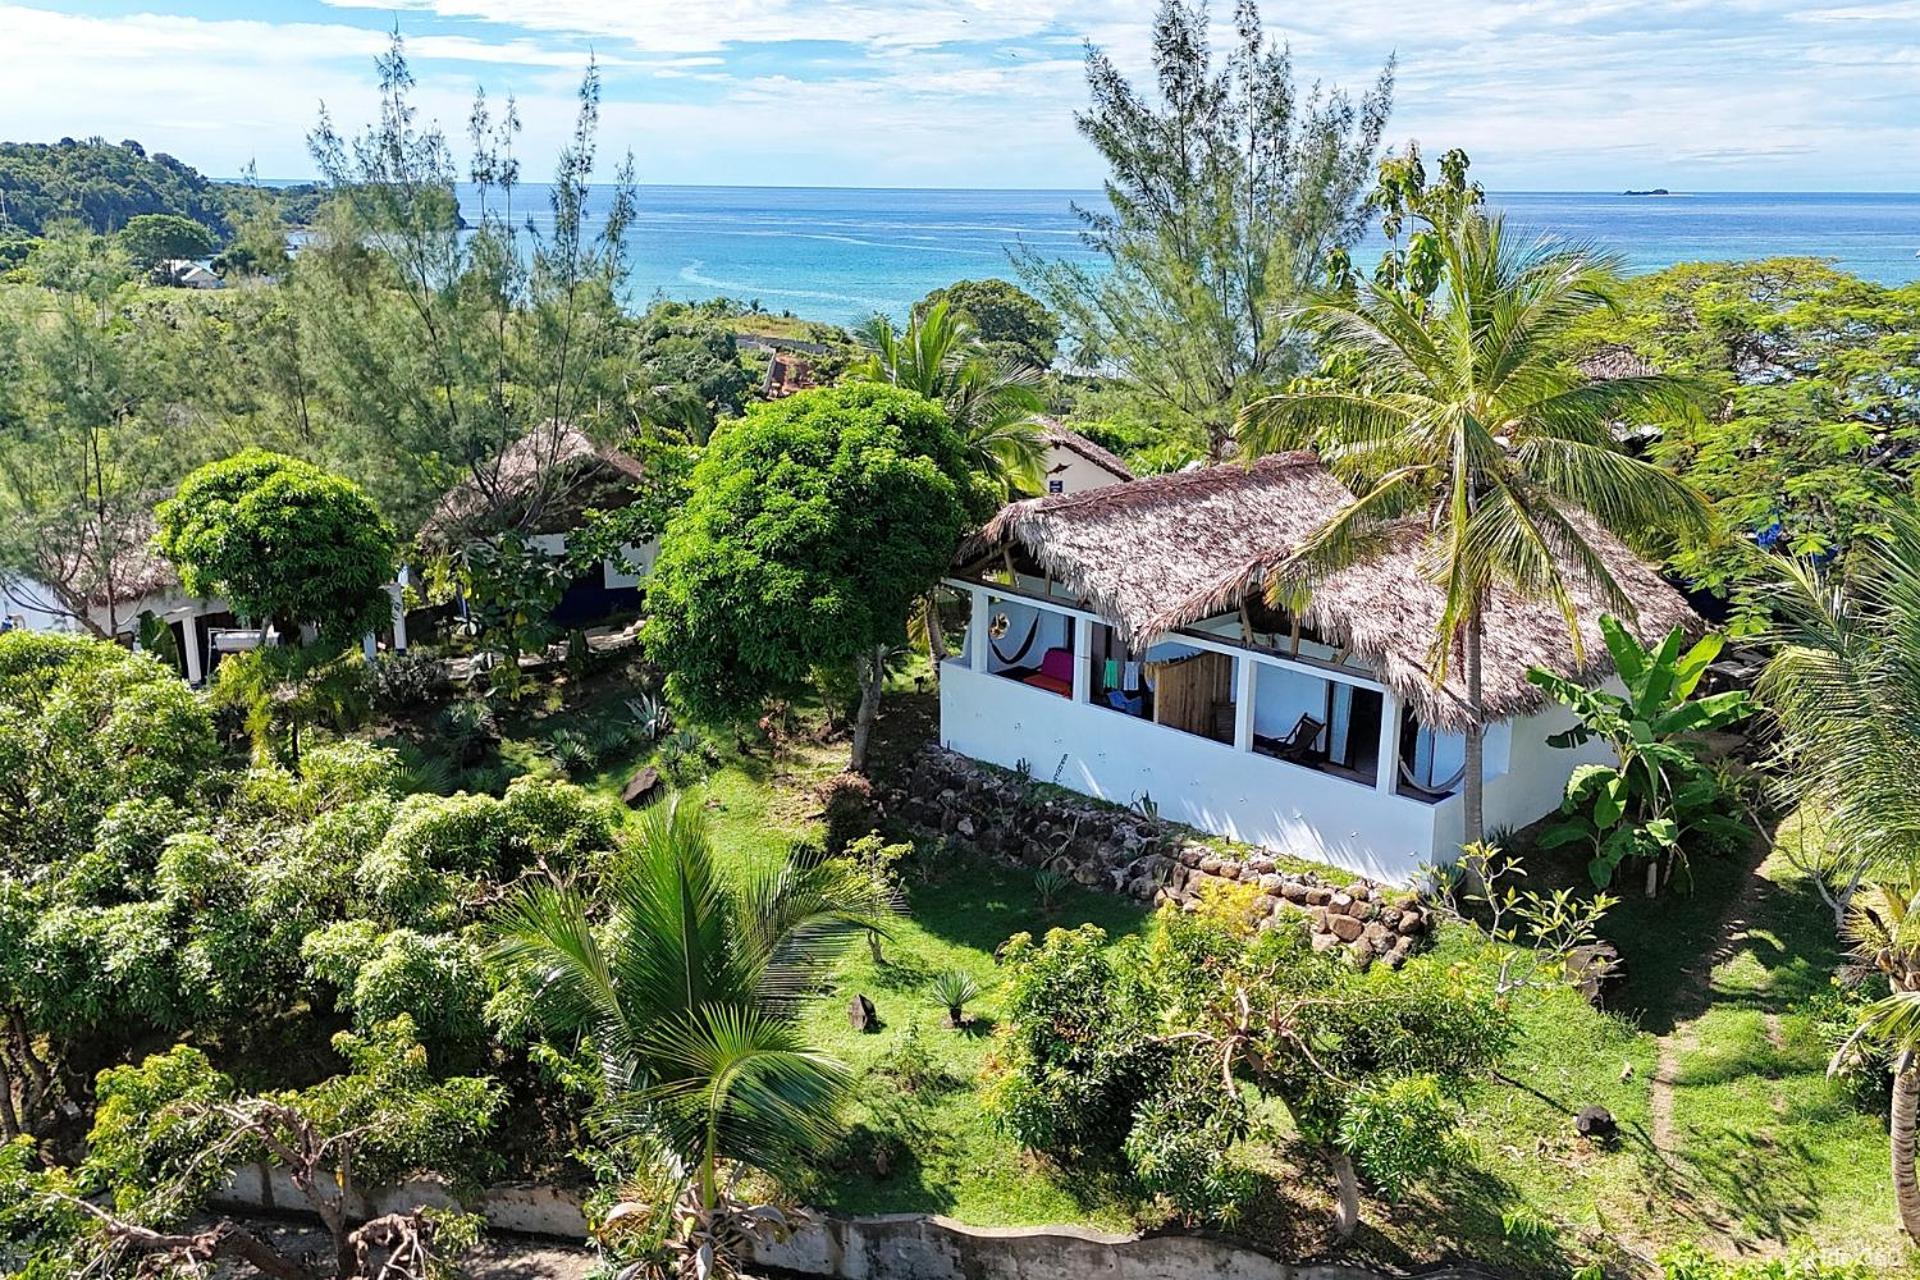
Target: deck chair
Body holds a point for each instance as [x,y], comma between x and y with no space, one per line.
[1297,746]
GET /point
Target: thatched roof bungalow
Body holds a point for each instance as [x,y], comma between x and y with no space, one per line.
[1075,464]
[542,486]
[539,484]
[1148,599]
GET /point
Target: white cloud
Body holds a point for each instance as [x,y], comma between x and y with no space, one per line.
[1544,93]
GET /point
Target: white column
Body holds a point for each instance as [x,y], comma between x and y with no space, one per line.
[977,639]
[370,646]
[190,646]
[399,595]
[1244,675]
[1389,754]
[1082,659]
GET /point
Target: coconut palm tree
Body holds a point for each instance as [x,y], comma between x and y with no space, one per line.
[1460,409]
[1843,685]
[993,404]
[686,988]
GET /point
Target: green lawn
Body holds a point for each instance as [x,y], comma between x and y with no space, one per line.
[1747,1150]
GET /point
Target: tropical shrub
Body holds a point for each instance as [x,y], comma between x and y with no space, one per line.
[284,541]
[1117,1053]
[1660,796]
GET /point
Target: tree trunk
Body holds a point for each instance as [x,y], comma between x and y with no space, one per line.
[9,1119]
[873,947]
[873,677]
[936,638]
[1475,777]
[1905,1110]
[1347,1214]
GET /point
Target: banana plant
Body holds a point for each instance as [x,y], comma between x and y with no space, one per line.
[1658,791]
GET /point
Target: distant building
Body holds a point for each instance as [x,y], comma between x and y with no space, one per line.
[543,485]
[1075,464]
[786,374]
[190,275]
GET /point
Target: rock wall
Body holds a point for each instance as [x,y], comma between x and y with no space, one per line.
[1104,846]
[918,1247]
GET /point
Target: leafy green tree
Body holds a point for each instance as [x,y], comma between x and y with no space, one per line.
[1811,436]
[1657,793]
[1461,416]
[153,239]
[167,1131]
[1843,687]
[686,988]
[282,540]
[993,405]
[1228,197]
[815,524]
[687,371]
[1009,323]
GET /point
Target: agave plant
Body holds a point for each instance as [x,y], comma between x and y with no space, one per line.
[954,989]
[685,1239]
[1048,885]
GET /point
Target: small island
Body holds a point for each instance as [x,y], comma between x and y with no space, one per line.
[1656,191]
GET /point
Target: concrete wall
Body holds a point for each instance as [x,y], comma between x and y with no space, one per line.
[1103,753]
[916,1247]
[528,1210]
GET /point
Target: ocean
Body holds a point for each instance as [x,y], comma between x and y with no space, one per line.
[841,254]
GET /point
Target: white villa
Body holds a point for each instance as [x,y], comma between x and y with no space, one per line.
[1120,644]
[544,483]
[1075,464]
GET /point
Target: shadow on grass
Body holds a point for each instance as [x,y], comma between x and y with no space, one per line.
[971,901]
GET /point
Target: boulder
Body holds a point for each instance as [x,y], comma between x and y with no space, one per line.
[861,1015]
[1345,928]
[1596,1123]
[642,789]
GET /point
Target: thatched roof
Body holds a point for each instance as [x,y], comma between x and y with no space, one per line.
[1167,551]
[1062,436]
[1615,360]
[556,466]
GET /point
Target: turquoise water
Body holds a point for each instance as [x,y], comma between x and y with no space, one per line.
[841,254]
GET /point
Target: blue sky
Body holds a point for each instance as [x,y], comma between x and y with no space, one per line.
[1545,94]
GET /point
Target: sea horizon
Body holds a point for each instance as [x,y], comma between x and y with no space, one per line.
[841,254]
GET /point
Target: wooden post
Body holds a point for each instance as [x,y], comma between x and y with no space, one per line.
[1244,687]
[979,650]
[1082,659]
[1388,760]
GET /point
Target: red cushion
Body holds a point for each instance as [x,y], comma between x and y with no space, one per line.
[1058,665]
[1052,684]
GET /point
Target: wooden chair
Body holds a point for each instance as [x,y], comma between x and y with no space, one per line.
[1298,746]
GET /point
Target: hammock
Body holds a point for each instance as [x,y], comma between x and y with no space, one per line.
[1436,787]
[1019,654]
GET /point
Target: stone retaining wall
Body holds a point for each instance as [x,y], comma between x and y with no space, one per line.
[1107,847]
[918,1247]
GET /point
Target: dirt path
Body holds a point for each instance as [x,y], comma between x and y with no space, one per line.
[1693,996]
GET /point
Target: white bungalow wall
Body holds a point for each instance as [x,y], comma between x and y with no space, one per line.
[1073,473]
[1234,792]
[1193,780]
